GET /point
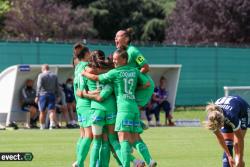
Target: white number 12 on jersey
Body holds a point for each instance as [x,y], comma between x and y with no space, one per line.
[128,85]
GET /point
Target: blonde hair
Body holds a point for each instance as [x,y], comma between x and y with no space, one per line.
[215,117]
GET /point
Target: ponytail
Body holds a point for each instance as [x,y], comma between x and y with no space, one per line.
[129,33]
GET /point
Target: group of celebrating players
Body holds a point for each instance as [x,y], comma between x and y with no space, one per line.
[109,93]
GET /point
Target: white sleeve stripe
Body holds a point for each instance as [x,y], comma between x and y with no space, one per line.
[24,93]
[238,127]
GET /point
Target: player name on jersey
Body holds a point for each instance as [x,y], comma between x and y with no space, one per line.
[127,74]
[226,107]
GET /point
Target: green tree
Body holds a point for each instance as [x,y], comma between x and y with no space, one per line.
[168,6]
[146,17]
[154,30]
[4,8]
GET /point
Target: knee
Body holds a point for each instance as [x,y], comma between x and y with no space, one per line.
[88,133]
[136,137]
[105,137]
[124,136]
[43,113]
[96,130]
[111,129]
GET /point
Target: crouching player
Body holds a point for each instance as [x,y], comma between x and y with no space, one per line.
[228,119]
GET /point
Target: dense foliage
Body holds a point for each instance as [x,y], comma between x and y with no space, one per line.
[146,17]
[209,21]
[47,20]
[4,8]
[71,19]
[171,21]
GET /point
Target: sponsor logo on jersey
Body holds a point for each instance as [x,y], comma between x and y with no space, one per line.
[129,96]
[140,59]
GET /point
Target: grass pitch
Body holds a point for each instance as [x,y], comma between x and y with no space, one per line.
[169,146]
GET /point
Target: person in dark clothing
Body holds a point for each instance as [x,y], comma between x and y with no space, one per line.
[70,100]
[159,101]
[28,95]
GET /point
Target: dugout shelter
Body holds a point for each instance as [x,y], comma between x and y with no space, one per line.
[13,78]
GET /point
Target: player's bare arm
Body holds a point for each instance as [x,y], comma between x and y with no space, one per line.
[94,92]
[79,93]
[222,143]
[144,86]
[95,97]
[240,144]
[90,76]
[145,68]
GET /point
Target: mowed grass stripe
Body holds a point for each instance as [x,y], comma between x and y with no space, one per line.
[170,146]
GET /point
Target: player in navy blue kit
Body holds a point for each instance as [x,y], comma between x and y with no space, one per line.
[228,119]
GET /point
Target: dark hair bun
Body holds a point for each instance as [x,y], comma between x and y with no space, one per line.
[130,31]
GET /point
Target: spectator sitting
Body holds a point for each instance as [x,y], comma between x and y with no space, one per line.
[28,95]
[158,101]
[61,108]
[70,100]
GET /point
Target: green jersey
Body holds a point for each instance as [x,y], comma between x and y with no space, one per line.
[135,57]
[80,83]
[78,67]
[125,79]
[109,102]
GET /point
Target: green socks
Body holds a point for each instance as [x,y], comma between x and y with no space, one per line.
[83,151]
[78,145]
[105,154]
[125,152]
[116,145]
[94,156]
[142,149]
